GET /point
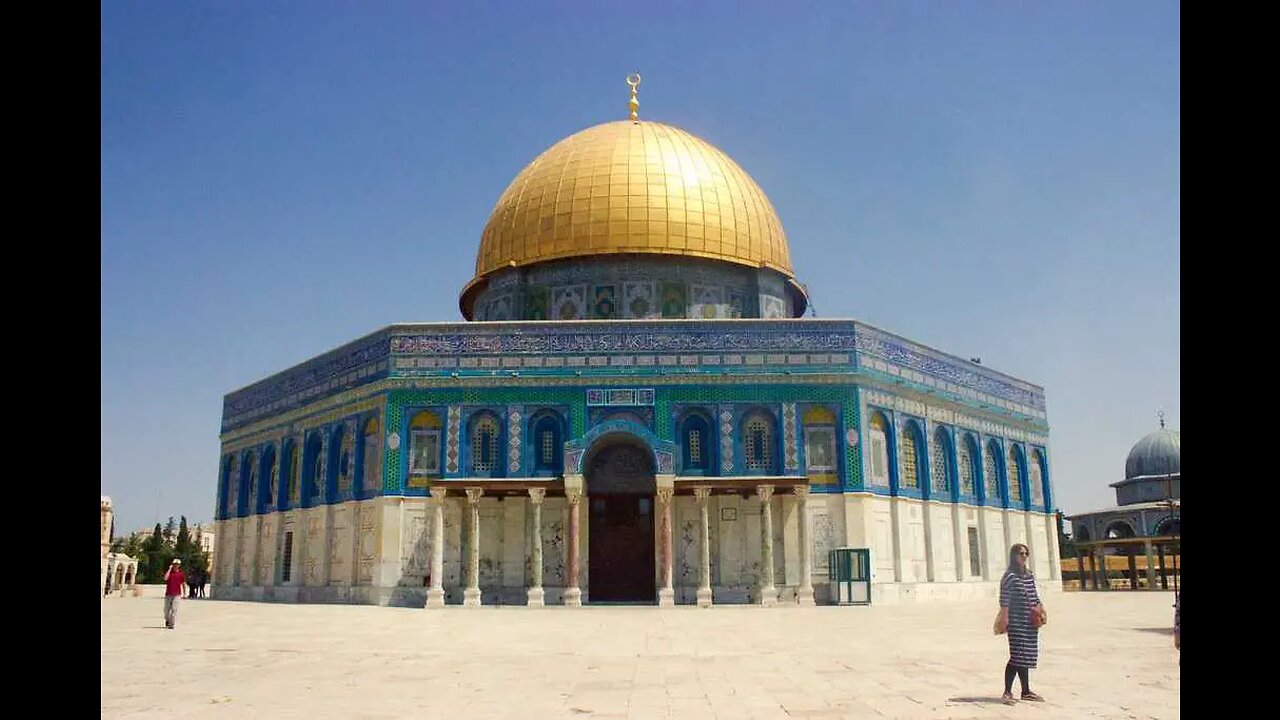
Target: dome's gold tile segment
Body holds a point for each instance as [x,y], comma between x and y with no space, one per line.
[633,187]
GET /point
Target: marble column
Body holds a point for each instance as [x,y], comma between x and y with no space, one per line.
[804,594]
[536,594]
[471,596]
[667,593]
[573,593]
[768,592]
[701,496]
[1080,570]
[435,593]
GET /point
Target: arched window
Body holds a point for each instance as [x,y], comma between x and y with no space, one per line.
[878,450]
[295,474]
[224,489]
[1036,472]
[696,443]
[991,473]
[1119,529]
[1015,476]
[758,443]
[939,462]
[346,456]
[1082,533]
[484,445]
[248,482]
[547,453]
[311,480]
[271,472]
[910,456]
[370,458]
[424,448]
[965,459]
[820,444]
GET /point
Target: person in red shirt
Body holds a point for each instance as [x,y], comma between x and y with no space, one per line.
[174,581]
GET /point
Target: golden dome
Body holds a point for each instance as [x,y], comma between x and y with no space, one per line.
[632,187]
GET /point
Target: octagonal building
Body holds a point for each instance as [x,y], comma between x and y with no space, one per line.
[634,409]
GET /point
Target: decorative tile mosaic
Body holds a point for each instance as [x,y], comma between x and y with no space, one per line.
[452,449]
[514,419]
[790,456]
[619,396]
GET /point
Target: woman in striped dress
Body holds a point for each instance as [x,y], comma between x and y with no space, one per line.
[1018,597]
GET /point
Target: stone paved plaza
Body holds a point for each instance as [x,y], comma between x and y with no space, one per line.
[1103,655]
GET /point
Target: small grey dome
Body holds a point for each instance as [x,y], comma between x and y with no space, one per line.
[1156,454]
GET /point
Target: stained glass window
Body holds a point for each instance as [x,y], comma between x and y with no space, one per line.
[424,445]
[295,475]
[1015,477]
[546,433]
[991,473]
[879,448]
[965,461]
[1037,478]
[371,472]
[758,444]
[695,447]
[270,490]
[910,467]
[484,445]
[939,469]
[253,483]
[345,457]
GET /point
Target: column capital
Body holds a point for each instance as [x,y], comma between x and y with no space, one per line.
[474,494]
[573,495]
[665,494]
[764,492]
[801,492]
[537,495]
[701,493]
[438,494]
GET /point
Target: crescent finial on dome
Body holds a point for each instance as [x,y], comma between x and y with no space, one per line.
[633,80]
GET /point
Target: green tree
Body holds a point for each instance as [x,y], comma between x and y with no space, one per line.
[170,530]
[182,545]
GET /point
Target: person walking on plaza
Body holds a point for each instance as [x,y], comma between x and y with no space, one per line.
[174,579]
[191,584]
[1021,616]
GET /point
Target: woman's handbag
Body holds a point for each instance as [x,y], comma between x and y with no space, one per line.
[1001,624]
[1038,616]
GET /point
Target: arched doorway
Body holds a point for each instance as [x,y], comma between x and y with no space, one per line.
[620,489]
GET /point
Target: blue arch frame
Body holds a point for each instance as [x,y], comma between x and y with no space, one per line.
[224,485]
[775,451]
[1024,478]
[540,421]
[697,418]
[890,451]
[914,426]
[1040,456]
[1000,463]
[975,469]
[266,459]
[499,442]
[311,493]
[286,469]
[358,490]
[575,451]
[247,457]
[337,434]
[948,461]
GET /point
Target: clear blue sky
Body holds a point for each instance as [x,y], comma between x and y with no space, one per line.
[990,178]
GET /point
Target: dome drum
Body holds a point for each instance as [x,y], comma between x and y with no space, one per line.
[633,288]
